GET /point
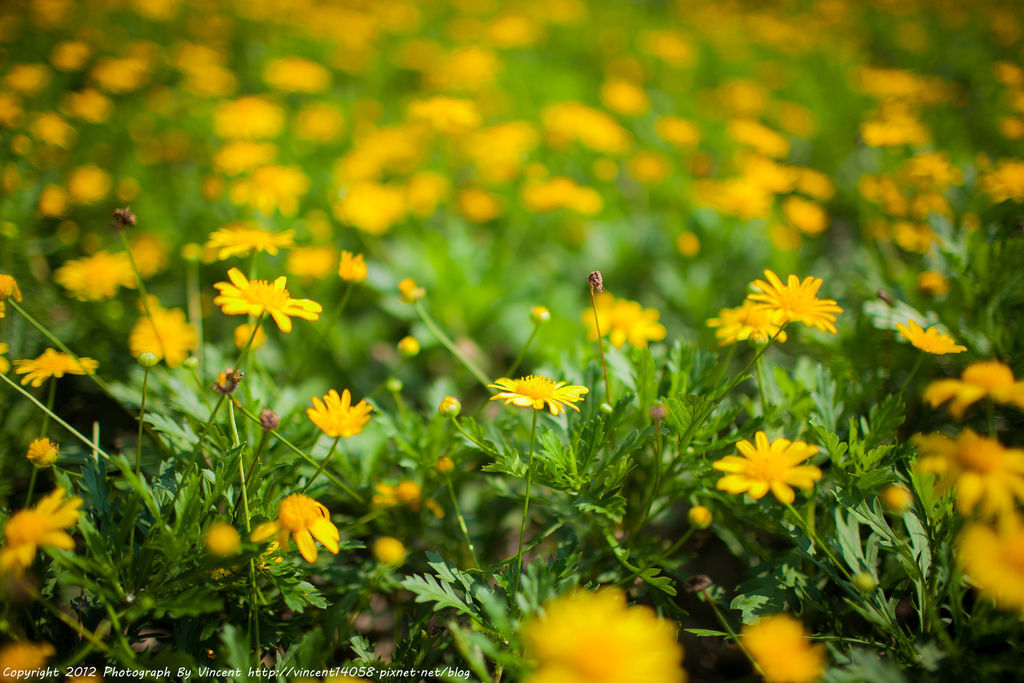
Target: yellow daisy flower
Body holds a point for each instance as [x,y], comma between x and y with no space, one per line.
[589,637]
[930,340]
[164,333]
[796,301]
[986,378]
[96,277]
[622,320]
[336,416]
[765,466]
[28,530]
[352,267]
[993,559]
[980,469]
[748,321]
[782,650]
[42,452]
[534,391]
[255,297]
[304,519]
[52,363]
[239,239]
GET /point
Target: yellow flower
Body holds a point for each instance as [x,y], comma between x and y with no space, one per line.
[311,262]
[592,637]
[371,207]
[165,333]
[4,363]
[748,321]
[389,550]
[96,277]
[986,378]
[448,115]
[42,526]
[318,122]
[993,560]
[797,301]
[930,340]
[88,184]
[8,289]
[336,415]
[51,363]
[806,216]
[410,291]
[896,498]
[980,469]
[449,407]
[42,452]
[149,253]
[248,118]
[244,331]
[700,517]
[303,519]
[18,659]
[534,391]
[256,297]
[622,320]
[932,283]
[408,347]
[222,539]
[624,97]
[352,267]
[763,466]
[238,239]
[271,188]
[783,651]
[295,74]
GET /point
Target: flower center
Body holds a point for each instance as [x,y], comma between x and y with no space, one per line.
[263,293]
[298,512]
[535,387]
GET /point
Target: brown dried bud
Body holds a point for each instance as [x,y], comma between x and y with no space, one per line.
[696,584]
[886,297]
[269,420]
[124,218]
[596,281]
[658,413]
[228,381]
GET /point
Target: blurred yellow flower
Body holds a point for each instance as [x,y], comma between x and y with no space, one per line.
[42,453]
[8,290]
[932,283]
[244,331]
[271,188]
[410,291]
[980,469]
[5,365]
[477,205]
[96,277]
[352,267]
[22,660]
[573,121]
[239,156]
[164,333]
[624,97]
[295,74]
[42,526]
[595,637]
[223,540]
[238,239]
[986,378]
[371,207]
[256,297]
[1004,181]
[764,466]
[88,184]
[119,75]
[251,117]
[336,416]
[27,79]
[677,131]
[89,105]
[760,137]
[536,391]
[993,560]
[930,340]
[52,363]
[796,301]
[806,216]
[312,261]
[70,55]
[622,320]
[319,122]
[304,519]
[448,115]
[782,650]
[389,550]
[748,321]
[896,498]
[560,192]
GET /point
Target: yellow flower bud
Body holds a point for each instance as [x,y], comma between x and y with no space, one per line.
[897,499]
[540,315]
[42,453]
[865,582]
[389,550]
[450,407]
[444,464]
[700,517]
[222,539]
[411,292]
[408,347]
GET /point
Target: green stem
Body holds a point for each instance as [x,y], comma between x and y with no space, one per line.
[142,415]
[526,507]
[76,626]
[913,371]
[600,345]
[323,464]
[195,314]
[450,345]
[31,486]
[522,353]
[759,370]
[728,629]
[462,521]
[49,404]
[145,294]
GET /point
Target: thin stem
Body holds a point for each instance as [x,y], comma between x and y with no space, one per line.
[195,313]
[144,293]
[76,626]
[31,486]
[600,345]
[142,415]
[49,404]
[759,370]
[913,371]
[728,629]
[323,464]
[450,345]
[324,329]
[526,507]
[462,521]
[522,353]
[92,445]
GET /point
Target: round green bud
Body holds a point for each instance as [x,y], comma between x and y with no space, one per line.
[147,359]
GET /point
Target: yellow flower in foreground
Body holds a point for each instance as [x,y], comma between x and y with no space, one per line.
[534,391]
[597,638]
[52,363]
[239,239]
[28,530]
[17,660]
[930,340]
[304,519]
[993,560]
[255,297]
[222,539]
[336,415]
[622,320]
[783,651]
[980,469]
[763,466]
[42,452]
[164,333]
[748,321]
[987,378]
[797,301]
[96,277]
[352,267]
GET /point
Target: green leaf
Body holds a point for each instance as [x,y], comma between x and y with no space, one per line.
[707,632]
[236,648]
[178,432]
[427,589]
